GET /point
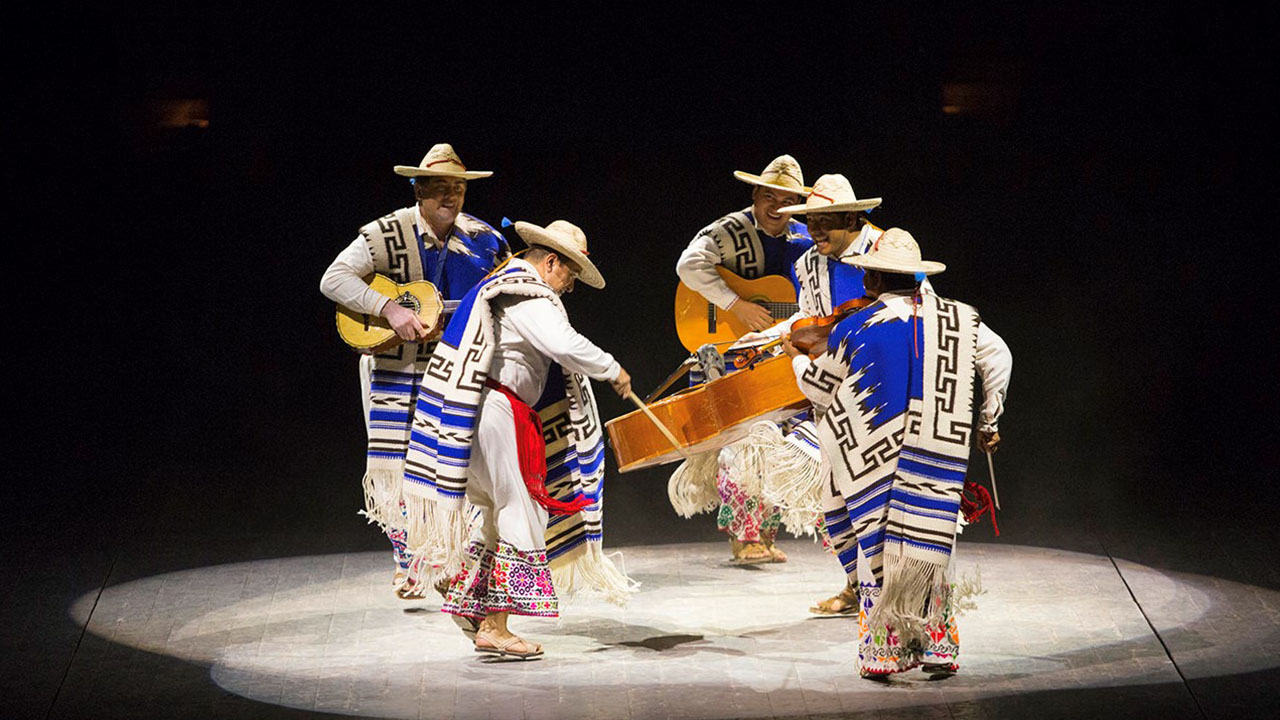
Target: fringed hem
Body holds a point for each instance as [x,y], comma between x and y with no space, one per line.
[692,488]
[964,592]
[587,571]
[911,586]
[437,538]
[382,498]
[789,478]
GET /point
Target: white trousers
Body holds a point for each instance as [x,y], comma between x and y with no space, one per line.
[495,485]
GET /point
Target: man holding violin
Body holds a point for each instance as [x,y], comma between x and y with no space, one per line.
[893,394]
[432,240]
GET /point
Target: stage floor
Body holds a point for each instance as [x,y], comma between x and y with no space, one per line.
[1057,634]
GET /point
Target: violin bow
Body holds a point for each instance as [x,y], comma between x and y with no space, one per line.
[649,413]
[991,468]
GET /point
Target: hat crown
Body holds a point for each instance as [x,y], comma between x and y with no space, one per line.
[831,190]
[441,156]
[896,245]
[784,170]
[571,234]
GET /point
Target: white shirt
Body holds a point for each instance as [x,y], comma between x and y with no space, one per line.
[697,268]
[993,360]
[343,282]
[530,334]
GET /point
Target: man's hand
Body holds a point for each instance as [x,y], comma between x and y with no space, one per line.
[788,348]
[752,315]
[404,321]
[988,442]
[622,385]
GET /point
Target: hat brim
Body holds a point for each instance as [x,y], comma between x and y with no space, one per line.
[413,171]
[534,235]
[747,177]
[928,267]
[837,207]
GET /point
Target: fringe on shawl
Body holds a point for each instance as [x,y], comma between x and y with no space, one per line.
[382,498]
[917,594]
[437,539]
[587,571]
[692,488]
[784,475]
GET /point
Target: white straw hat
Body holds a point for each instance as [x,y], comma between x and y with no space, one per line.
[895,251]
[566,239]
[832,193]
[441,161]
[783,173]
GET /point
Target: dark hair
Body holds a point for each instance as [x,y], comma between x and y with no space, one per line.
[896,282]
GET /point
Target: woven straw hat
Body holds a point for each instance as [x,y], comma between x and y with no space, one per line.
[832,193]
[783,173]
[566,239]
[441,161]
[895,251]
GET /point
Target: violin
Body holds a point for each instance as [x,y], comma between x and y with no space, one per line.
[809,335]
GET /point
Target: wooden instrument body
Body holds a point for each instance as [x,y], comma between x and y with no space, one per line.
[708,416]
[373,334]
[699,322]
[809,335]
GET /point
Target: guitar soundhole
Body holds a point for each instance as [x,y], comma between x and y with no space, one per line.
[407,300]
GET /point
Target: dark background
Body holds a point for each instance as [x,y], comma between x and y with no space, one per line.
[1099,192]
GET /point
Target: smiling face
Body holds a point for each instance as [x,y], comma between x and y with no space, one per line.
[832,232]
[440,200]
[764,205]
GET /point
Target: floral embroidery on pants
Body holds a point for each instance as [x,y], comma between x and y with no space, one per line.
[881,651]
[747,519]
[503,579]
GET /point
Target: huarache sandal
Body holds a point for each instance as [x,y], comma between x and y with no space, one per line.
[750,553]
[775,554]
[842,604]
[502,648]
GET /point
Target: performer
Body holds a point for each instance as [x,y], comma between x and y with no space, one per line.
[753,242]
[476,435]
[432,240]
[894,397]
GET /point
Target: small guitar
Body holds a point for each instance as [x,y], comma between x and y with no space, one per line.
[699,322]
[372,334]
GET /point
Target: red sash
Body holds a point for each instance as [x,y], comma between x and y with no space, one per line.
[531,448]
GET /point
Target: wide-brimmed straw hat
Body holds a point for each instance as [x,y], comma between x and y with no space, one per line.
[565,239]
[441,161]
[895,251]
[783,173]
[832,193]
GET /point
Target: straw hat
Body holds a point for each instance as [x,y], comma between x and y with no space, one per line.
[441,161]
[566,239]
[895,251]
[832,193]
[781,174]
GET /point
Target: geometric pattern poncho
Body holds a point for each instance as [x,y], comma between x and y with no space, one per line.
[444,425]
[896,432]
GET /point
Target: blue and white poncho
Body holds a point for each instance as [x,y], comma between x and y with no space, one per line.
[897,397]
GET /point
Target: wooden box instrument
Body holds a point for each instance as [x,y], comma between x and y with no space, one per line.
[709,416]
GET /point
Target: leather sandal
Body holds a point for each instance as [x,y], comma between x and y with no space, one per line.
[750,553]
[468,625]
[502,648]
[842,604]
[775,553]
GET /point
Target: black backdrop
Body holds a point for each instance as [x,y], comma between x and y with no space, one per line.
[1097,199]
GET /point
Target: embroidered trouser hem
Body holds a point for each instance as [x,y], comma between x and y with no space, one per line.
[882,652]
[503,579]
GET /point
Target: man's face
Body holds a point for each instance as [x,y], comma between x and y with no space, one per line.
[831,232]
[440,199]
[559,274]
[764,205]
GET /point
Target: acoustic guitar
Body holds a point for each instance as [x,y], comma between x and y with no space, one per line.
[699,322]
[372,334]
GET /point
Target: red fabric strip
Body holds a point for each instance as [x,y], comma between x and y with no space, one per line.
[532,451]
